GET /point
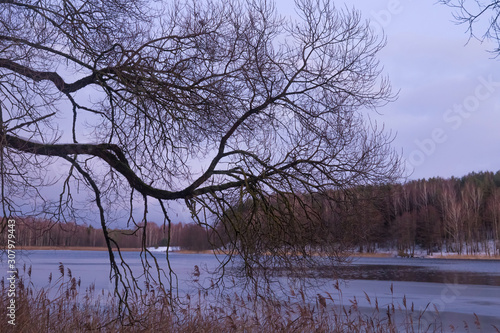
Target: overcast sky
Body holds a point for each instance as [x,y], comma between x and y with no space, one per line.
[447,116]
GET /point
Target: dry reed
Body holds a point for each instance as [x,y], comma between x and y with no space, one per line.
[66,307]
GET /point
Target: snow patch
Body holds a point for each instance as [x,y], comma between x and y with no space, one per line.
[164,249]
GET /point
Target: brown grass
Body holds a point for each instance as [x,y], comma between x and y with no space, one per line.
[65,307]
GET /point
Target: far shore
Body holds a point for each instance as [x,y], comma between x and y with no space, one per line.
[433,256]
[352,254]
[98,248]
[73,248]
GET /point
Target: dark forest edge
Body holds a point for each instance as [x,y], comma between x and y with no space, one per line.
[419,218]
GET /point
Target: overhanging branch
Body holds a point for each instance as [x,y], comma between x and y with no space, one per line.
[115,158]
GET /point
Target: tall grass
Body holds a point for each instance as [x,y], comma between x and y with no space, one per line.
[67,307]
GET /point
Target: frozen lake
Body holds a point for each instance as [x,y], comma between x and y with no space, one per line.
[456,288]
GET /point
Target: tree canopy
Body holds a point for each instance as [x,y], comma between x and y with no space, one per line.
[214,104]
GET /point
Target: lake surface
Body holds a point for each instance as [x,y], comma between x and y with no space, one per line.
[456,288]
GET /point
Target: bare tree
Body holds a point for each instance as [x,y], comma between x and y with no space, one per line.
[453,218]
[214,104]
[478,15]
[472,198]
[493,214]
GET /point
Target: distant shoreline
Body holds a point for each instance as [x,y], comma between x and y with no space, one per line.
[352,254]
[73,248]
[434,256]
[97,248]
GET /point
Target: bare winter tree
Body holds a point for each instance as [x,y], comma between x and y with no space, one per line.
[482,16]
[244,116]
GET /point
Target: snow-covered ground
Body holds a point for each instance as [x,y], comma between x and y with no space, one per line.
[164,249]
[483,250]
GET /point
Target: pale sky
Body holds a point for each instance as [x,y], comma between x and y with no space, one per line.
[447,116]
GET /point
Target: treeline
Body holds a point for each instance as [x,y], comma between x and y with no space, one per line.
[43,233]
[457,215]
[460,215]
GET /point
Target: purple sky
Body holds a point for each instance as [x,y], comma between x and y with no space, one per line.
[447,116]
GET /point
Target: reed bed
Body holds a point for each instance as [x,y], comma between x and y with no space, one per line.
[67,307]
